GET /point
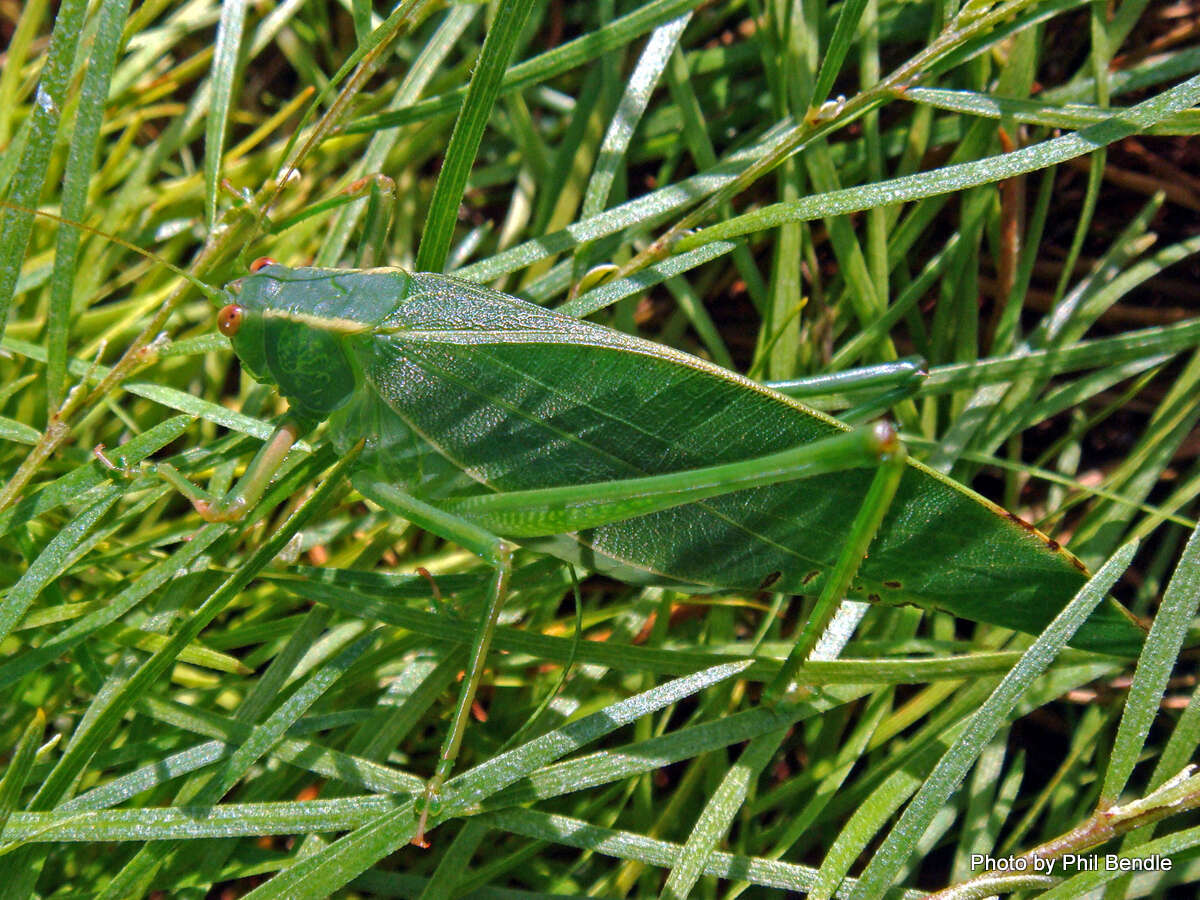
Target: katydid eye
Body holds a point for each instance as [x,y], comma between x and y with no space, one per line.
[261,262]
[229,320]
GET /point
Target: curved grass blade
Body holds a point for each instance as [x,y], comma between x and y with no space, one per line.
[1033,112]
[51,561]
[15,56]
[629,112]
[642,211]
[949,179]
[1167,635]
[626,845]
[209,790]
[432,56]
[839,45]
[16,773]
[81,161]
[570,55]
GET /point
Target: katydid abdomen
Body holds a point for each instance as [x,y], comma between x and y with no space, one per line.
[459,391]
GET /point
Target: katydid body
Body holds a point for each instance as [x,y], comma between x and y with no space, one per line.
[492,421]
[464,393]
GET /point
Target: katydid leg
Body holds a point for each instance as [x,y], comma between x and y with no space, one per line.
[862,394]
[493,550]
[560,510]
[245,494]
[878,405]
[907,373]
[253,483]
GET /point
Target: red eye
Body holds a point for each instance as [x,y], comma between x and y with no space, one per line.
[229,320]
[260,262]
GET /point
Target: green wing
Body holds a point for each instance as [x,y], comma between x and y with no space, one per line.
[519,397]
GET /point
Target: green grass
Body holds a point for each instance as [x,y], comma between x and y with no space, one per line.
[788,190]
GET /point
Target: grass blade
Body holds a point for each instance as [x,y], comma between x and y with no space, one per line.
[38,136]
[498,48]
[224,83]
[1167,634]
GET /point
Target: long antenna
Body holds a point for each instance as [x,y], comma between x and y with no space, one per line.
[208,290]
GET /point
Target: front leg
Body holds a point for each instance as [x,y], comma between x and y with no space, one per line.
[248,491]
[254,482]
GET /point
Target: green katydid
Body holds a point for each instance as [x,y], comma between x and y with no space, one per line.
[492,422]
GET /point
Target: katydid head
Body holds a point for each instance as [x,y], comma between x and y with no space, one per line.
[281,343]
